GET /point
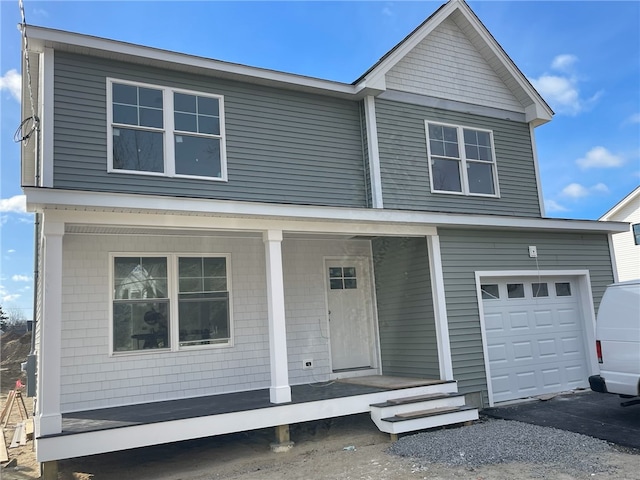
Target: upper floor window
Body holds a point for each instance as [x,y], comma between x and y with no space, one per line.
[461,160]
[164,131]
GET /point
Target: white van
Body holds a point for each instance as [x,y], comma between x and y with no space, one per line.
[618,341]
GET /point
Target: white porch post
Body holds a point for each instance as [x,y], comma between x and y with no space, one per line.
[48,417]
[440,308]
[280,391]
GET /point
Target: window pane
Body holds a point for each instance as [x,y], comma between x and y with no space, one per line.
[349,271]
[125,114]
[480,177]
[446,175]
[490,292]
[215,284]
[150,117]
[435,132]
[437,147]
[515,290]
[208,125]
[125,94]
[450,134]
[186,122]
[215,267]
[335,272]
[190,285]
[484,153]
[540,289]
[138,150]
[140,278]
[636,233]
[190,267]
[197,156]
[208,106]
[451,150]
[350,283]
[204,320]
[470,137]
[471,151]
[484,139]
[563,289]
[150,97]
[140,325]
[184,103]
[335,283]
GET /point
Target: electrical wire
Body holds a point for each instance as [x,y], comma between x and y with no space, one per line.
[33,122]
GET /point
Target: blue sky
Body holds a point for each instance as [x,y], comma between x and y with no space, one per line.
[583,57]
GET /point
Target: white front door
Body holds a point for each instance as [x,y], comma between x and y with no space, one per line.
[350,313]
[535,336]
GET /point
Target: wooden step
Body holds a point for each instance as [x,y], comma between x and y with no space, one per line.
[426,413]
[416,399]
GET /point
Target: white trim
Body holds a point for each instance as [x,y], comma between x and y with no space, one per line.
[463,161]
[280,391]
[536,167]
[585,300]
[90,45]
[612,255]
[375,177]
[91,206]
[168,130]
[48,416]
[440,308]
[635,194]
[47,66]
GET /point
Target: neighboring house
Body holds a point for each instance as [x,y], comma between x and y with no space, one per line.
[224,248]
[626,245]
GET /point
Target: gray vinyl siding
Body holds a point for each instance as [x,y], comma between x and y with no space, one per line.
[282,146]
[466,251]
[405,308]
[405,171]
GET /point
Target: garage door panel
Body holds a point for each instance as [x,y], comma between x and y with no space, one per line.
[535,345]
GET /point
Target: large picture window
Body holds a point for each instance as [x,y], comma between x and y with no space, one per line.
[154,296]
[163,131]
[461,160]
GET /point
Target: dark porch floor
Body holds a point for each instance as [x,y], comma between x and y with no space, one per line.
[116,417]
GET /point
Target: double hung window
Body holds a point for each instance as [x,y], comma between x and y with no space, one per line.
[164,131]
[170,302]
[461,160]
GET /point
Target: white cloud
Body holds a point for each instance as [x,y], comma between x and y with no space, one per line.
[599,157]
[564,62]
[6,297]
[553,206]
[561,90]
[11,250]
[21,278]
[635,118]
[12,82]
[575,190]
[600,188]
[15,204]
[40,12]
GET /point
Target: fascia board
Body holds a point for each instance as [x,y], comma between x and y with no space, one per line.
[39,199]
[634,195]
[40,37]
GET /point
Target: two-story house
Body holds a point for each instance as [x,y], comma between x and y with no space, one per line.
[223,248]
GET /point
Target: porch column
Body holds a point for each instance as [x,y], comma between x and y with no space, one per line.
[48,417]
[440,308]
[280,391]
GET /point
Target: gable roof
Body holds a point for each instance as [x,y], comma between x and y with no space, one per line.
[372,82]
[536,109]
[634,196]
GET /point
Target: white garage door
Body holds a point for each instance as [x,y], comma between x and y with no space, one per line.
[535,336]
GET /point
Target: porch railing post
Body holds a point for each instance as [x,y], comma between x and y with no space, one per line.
[280,391]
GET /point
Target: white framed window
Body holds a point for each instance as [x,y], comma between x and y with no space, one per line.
[169,302]
[462,160]
[155,130]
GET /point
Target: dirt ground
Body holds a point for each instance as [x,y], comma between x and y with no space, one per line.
[349,448]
